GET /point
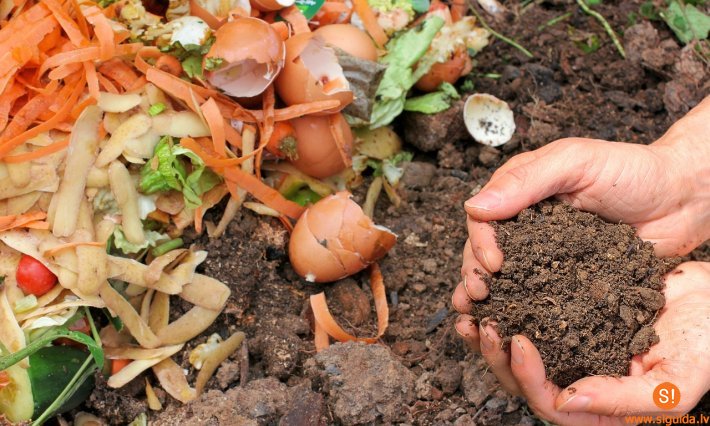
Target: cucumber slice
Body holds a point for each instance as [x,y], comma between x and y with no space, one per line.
[51,369]
[16,401]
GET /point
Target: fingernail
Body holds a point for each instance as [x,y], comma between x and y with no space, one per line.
[459,321]
[517,356]
[486,201]
[481,256]
[575,403]
[486,342]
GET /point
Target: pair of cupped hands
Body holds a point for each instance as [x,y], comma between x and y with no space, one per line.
[663,190]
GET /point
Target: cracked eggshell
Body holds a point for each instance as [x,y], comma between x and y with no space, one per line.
[350,39]
[488,119]
[312,73]
[253,54]
[334,239]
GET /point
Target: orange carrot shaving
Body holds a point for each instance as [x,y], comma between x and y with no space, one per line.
[146,53]
[369,20]
[76,111]
[103,32]
[92,79]
[20,220]
[61,247]
[209,200]
[282,130]
[37,224]
[327,323]
[118,365]
[286,223]
[38,153]
[288,113]
[160,216]
[106,84]
[62,113]
[63,71]
[294,16]
[169,64]
[267,126]
[177,88]
[215,122]
[118,71]
[70,27]
[339,138]
[321,338]
[263,193]
[7,100]
[211,160]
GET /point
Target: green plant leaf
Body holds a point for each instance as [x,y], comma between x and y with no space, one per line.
[687,22]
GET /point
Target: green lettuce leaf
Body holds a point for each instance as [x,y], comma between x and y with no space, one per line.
[127,247]
[687,22]
[403,52]
[433,102]
[168,169]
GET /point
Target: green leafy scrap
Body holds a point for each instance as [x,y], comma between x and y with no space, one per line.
[190,55]
[687,22]
[176,168]
[433,102]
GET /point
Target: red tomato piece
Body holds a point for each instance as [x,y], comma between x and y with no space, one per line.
[33,277]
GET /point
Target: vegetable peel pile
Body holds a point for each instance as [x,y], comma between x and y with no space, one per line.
[121,126]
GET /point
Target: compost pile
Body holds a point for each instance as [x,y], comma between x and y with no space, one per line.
[586,292]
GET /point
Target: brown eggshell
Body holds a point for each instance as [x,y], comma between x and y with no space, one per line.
[449,71]
[270,5]
[312,73]
[253,55]
[349,38]
[316,145]
[334,239]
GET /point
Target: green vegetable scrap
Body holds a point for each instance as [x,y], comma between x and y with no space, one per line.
[127,247]
[687,22]
[156,109]
[191,55]
[177,168]
[404,51]
[433,102]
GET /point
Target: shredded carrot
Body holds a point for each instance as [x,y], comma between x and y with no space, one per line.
[215,122]
[325,320]
[118,71]
[211,160]
[337,131]
[103,32]
[118,365]
[38,153]
[138,84]
[287,223]
[177,88]
[160,216]
[263,193]
[169,64]
[92,79]
[70,27]
[20,220]
[267,126]
[78,108]
[61,247]
[369,20]
[294,16]
[37,224]
[63,71]
[7,100]
[106,84]
[288,113]
[282,130]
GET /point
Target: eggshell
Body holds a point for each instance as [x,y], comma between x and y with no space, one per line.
[349,38]
[334,239]
[253,55]
[449,71]
[319,153]
[312,73]
[488,119]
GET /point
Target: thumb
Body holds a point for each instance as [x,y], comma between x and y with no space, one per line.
[557,171]
[621,396]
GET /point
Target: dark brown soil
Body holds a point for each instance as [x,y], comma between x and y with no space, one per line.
[584,291]
[560,92]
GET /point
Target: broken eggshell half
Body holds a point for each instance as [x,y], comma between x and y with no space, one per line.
[488,119]
[312,73]
[334,239]
[323,144]
[245,58]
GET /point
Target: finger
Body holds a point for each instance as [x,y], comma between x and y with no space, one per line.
[518,188]
[529,371]
[460,300]
[467,328]
[498,360]
[516,161]
[472,275]
[484,245]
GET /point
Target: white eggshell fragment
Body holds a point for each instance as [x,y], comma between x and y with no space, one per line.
[488,119]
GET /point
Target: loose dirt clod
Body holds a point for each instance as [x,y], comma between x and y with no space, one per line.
[586,292]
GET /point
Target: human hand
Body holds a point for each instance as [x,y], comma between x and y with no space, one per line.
[680,358]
